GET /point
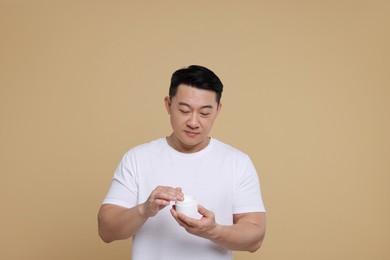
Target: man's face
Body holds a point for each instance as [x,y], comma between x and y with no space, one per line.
[192,112]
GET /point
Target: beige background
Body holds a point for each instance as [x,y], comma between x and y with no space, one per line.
[307,96]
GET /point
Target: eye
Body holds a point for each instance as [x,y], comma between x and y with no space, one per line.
[184,111]
[204,114]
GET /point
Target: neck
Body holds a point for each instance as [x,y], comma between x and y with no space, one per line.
[183,148]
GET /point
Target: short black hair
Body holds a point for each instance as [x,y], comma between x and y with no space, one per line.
[198,77]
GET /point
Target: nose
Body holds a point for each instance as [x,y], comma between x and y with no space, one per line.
[193,122]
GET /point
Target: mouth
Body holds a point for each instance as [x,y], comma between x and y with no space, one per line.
[191,134]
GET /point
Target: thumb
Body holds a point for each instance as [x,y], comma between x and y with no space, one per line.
[204,212]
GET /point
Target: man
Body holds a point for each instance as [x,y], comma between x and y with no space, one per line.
[153,176]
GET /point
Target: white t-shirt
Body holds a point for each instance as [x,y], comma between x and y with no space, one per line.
[220,177]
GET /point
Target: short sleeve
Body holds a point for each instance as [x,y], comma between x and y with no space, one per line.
[247,192]
[124,188]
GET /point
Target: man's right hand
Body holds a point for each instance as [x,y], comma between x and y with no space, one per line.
[160,197]
[116,222]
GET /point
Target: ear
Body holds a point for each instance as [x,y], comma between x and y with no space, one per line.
[167,102]
[219,107]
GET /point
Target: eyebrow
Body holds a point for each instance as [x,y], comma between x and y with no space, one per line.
[187,105]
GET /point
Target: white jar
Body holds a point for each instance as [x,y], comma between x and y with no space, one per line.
[188,206]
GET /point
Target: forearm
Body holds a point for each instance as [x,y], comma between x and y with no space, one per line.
[116,223]
[242,236]
[246,233]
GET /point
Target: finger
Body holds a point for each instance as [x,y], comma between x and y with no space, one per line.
[176,217]
[173,211]
[164,195]
[187,221]
[161,202]
[169,193]
[205,212]
[179,194]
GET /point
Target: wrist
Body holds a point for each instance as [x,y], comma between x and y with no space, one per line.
[141,210]
[215,232]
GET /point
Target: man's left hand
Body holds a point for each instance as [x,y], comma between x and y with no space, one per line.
[205,227]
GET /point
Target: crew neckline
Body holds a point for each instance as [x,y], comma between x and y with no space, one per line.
[188,155]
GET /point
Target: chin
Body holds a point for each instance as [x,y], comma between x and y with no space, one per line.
[188,142]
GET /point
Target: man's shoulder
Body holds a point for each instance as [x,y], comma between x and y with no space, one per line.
[148,147]
[222,147]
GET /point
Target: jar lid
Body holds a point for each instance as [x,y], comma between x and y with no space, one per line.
[188,200]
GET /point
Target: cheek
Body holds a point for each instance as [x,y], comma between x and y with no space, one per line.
[207,122]
[177,119]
